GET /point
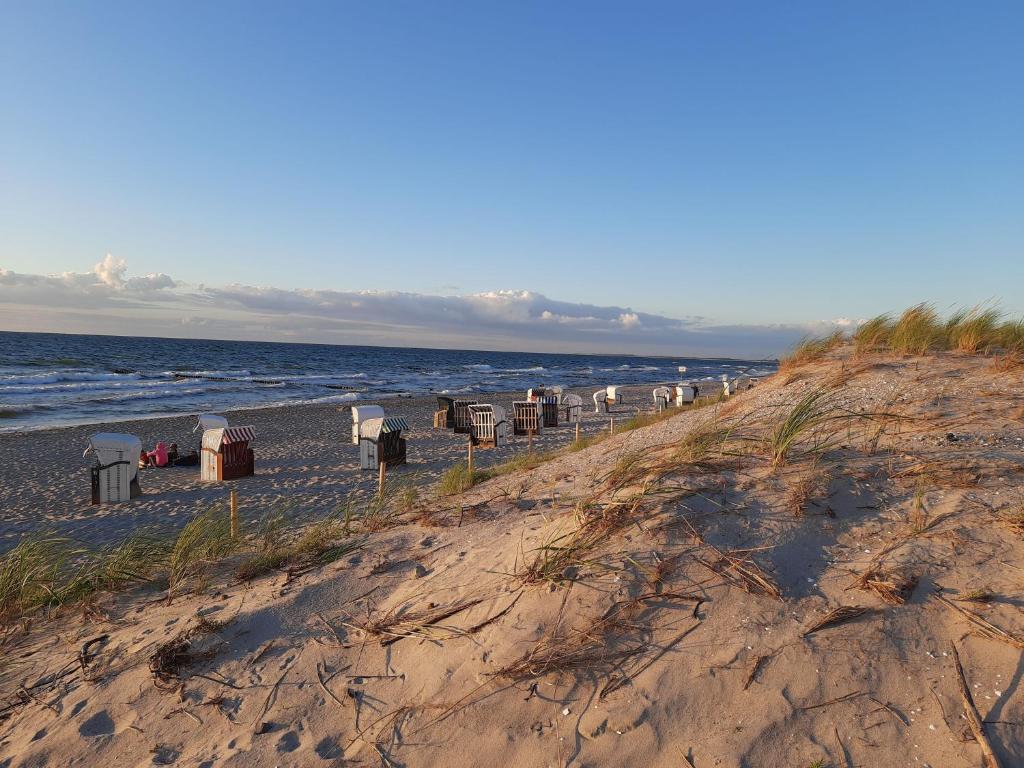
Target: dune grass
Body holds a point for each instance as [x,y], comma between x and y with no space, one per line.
[803,420]
[810,349]
[204,539]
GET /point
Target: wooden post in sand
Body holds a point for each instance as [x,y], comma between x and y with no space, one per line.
[469,454]
[577,431]
[234,514]
[529,441]
[611,429]
[382,472]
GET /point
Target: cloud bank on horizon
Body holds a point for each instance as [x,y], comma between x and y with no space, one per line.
[106,300]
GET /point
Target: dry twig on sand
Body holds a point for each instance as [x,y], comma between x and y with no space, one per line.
[983,626]
[974,720]
[838,615]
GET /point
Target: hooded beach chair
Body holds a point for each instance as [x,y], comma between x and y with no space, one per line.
[210,421]
[556,391]
[573,405]
[463,421]
[685,394]
[490,429]
[361,413]
[226,454]
[662,397]
[527,418]
[740,383]
[548,405]
[444,416]
[601,398]
[534,393]
[381,442]
[115,474]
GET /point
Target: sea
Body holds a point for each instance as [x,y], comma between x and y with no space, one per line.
[49,380]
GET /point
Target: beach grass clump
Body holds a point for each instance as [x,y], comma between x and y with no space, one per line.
[648,419]
[918,331]
[29,573]
[973,330]
[457,479]
[804,419]
[811,349]
[204,539]
[873,335]
[136,559]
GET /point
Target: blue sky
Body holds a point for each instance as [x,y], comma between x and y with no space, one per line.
[718,163]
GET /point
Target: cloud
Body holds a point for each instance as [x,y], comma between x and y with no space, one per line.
[107,300]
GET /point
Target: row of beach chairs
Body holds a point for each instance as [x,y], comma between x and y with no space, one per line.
[114,474]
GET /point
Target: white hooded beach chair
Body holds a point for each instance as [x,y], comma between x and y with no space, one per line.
[226,454]
[115,473]
[210,421]
[600,398]
[490,428]
[556,391]
[573,405]
[740,383]
[685,394]
[527,418]
[381,442]
[662,397]
[463,420]
[361,413]
[726,385]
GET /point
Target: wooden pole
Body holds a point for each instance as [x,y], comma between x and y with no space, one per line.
[577,431]
[469,454]
[234,514]
[382,472]
[612,428]
[529,441]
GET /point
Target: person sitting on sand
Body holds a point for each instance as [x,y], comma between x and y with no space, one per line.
[158,456]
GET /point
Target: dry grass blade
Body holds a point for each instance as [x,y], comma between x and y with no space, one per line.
[983,626]
[892,588]
[397,624]
[840,615]
[743,573]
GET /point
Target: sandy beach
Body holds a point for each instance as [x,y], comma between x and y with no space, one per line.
[306,466]
[674,595]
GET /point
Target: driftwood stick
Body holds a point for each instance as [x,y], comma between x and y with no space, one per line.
[973,718]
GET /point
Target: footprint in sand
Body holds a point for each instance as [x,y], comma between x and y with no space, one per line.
[97,726]
[328,749]
[289,742]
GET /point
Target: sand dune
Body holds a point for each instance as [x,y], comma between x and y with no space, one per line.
[665,597]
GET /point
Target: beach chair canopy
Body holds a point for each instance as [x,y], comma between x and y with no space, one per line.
[210,421]
[361,413]
[571,400]
[612,392]
[105,444]
[215,439]
[373,428]
[662,392]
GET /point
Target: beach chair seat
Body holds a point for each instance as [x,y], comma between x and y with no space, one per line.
[441,418]
[662,397]
[527,418]
[360,413]
[573,405]
[490,428]
[381,442]
[463,420]
[549,410]
[115,474]
[226,454]
[446,404]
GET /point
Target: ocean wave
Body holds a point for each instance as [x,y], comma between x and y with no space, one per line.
[85,386]
[54,377]
[211,374]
